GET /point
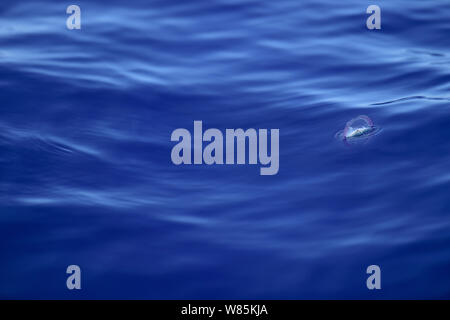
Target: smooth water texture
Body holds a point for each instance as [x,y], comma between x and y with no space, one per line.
[86,176]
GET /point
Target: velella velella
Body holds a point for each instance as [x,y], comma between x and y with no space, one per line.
[357,130]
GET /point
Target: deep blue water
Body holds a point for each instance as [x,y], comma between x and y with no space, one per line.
[86,176]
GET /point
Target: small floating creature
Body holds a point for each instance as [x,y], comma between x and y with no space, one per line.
[353,133]
[357,130]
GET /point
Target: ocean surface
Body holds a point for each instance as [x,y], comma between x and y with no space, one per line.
[86,176]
